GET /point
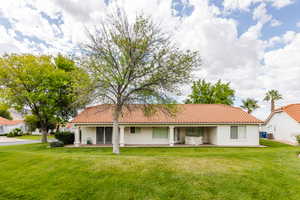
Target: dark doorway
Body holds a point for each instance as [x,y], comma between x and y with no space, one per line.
[108,135]
[104,135]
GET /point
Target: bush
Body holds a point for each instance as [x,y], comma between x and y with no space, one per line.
[66,137]
[298,138]
[56,144]
[15,133]
[89,141]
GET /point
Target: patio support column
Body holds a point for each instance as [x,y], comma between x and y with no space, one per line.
[171,135]
[77,139]
[122,135]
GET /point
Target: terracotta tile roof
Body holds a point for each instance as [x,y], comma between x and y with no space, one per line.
[293,110]
[188,113]
[4,121]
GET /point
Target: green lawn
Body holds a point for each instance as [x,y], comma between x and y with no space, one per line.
[33,137]
[37,172]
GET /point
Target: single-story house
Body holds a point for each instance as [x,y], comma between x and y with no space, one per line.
[194,124]
[284,123]
[8,125]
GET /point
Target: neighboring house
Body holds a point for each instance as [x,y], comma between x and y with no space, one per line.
[8,125]
[193,124]
[284,123]
[68,127]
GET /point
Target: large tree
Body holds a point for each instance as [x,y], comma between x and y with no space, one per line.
[136,63]
[250,105]
[208,93]
[4,111]
[272,96]
[51,87]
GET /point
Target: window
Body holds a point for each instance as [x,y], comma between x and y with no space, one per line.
[238,132]
[1,129]
[160,133]
[194,131]
[134,130]
[233,132]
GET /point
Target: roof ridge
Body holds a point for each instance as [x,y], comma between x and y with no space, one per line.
[289,105]
[286,106]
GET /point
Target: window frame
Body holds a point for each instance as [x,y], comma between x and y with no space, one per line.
[155,134]
[234,135]
[137,130]
[241,133]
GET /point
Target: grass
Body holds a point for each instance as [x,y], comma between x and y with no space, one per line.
[33,137]
[37,172]
[271,143]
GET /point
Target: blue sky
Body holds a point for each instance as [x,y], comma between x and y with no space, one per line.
[253,44]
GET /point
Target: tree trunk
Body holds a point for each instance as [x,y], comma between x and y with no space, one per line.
[272,105]
[116,134]
[44,135]
[57,128]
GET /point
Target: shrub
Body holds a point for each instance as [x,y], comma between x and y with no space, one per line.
[66,137]
[298,138]
[15,132]
[89,141]
[56,144]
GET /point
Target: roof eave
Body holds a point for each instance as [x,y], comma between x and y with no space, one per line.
[167,123]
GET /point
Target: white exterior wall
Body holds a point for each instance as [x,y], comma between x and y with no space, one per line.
[219,135]
[8,128]
[144,137]
[283,127]
[223,136]
[88,133]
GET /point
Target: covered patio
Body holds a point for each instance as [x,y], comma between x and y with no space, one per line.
[143,135]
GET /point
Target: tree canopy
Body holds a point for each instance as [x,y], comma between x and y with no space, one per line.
[51,87]
[4,111]
[208,93]
[136,63]
[250,105]
[272,96]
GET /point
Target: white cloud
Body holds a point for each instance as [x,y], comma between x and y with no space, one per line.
[228,55]
[289,36]
[239,4]
[283,66]
[260,13]
[275,23]
[298,24]
[282,3]
[245,4]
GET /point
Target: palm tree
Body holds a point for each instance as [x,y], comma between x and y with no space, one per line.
[272,95]
[250,105]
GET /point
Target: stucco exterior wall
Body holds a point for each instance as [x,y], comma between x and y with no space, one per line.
[7,128]
[144,137]
[88,133]
[218,135]
[283,127]
[223,136]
